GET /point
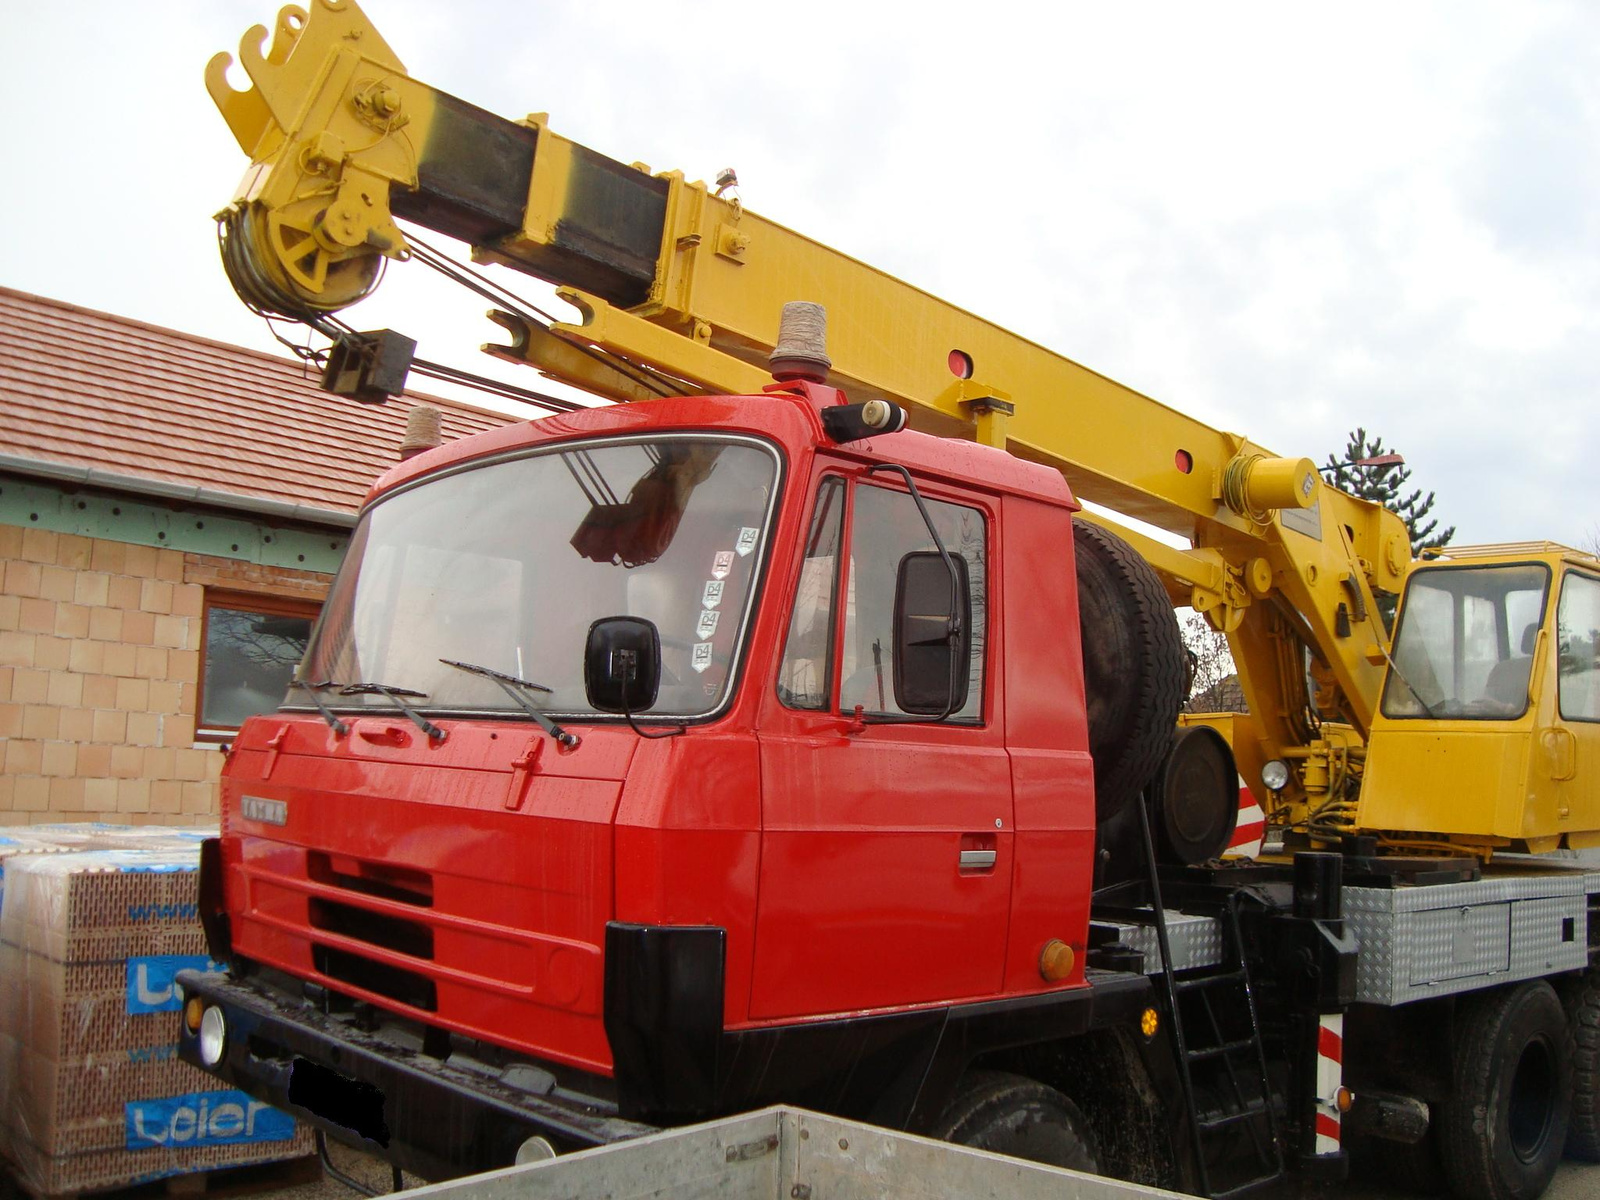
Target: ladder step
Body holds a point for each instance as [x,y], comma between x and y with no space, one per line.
[1247,1113]
[1250,1185]
[1189,985]
[1226,1048]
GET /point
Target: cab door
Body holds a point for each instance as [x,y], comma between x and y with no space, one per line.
[886,841]
[1570,745]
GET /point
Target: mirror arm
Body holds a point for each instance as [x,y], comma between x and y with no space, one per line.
[949,566]
[629,664]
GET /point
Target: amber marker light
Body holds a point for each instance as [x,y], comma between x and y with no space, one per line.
[1056,960]
[1343,1099]
[1149,1022]
[192,1012]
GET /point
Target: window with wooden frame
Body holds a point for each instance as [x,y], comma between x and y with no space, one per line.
[250,649]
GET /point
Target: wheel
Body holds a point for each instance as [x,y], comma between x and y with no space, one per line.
[1502,1131]
[1194,803]
[1583,1024]
[1007,1114]
[1134,665]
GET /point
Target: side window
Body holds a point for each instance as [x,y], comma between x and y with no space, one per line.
[807,667]
[885,526]
[1578,639]
[252,646]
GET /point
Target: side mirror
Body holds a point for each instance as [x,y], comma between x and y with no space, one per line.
[932,623]
[622,664]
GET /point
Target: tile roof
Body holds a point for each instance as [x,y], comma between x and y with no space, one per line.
[89,388]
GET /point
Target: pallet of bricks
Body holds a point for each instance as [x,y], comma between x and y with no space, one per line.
[95,921]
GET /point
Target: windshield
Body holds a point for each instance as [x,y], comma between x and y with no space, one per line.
[506,566]
[1464,646]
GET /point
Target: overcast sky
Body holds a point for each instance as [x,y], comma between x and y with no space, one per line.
[1284,219]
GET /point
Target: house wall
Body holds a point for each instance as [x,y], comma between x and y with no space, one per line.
[100,663]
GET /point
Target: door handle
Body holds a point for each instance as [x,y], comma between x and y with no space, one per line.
[978,853]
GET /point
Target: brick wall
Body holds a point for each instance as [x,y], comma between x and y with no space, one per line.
[100,646]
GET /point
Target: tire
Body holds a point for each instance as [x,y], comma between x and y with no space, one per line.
[1583,1024]
[1194,802]
[1502,1130]
[1007,1114]
[1134,665]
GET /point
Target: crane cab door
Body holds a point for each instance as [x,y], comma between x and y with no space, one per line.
[1569,743]
[886,838]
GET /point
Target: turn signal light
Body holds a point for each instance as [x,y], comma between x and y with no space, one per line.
[1149,1022]
[192,1012]
[1343,1099]
[1056,961]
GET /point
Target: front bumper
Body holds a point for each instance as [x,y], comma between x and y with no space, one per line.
[424,1114]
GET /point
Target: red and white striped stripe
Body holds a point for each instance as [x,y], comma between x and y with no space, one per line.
[1252,824]
[1330,1077]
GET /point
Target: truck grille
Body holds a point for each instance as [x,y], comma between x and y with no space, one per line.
[381,979]
[400,884]
[392,933]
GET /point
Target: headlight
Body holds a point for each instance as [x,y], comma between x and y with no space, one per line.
[1275,775]
[213,1036]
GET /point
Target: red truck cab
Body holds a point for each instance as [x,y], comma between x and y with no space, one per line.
[782,880]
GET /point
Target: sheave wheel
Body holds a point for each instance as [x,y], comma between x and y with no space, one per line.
[1007,1114]
[1583,1022]
[1502,1132]
[1134,665]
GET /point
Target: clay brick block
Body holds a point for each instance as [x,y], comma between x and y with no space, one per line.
[30,686]
[133,695]
[86,657]
[66,795]
[10,612]
[105,624]
[16,649]
[94,761]
[65,689]
[170,566]
[77,724]
[150,662]
[10,541]
[188,600]
[40,721]
[173,632]
[37,616]
[123,591]
[59,758]
[56,583]
[8,787]
[214,763]
[99,795]
[23,756]
[110,727]
[38,545]
[22,578]
[32,795]
[184,665]
[161,763]
[199,797]
[108,556]
[190,764]
[177,731]
[72,621]
[120,660]
[186,702]
[73,551]
[10,720]
[91,588]
[6,674]
[52,653]
[166,796]
[144,729]
[155,596]
[127,762]
[138,628]
[166,696]
[99,691]
[140,561]
[133,795]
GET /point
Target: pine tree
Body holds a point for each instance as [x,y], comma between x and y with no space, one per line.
[1385,485]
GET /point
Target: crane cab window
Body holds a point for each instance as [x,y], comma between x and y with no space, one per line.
[1464,646]
[1578,643]
[884,526]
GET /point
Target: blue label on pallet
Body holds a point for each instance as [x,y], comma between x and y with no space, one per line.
[151,980]
[224,1118]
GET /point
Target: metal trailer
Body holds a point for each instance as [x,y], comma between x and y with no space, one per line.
[785,1154]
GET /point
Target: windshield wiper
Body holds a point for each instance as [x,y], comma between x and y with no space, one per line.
[518,690]
[393,695]
[339,728]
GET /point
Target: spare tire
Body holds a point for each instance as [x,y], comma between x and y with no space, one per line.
[1134,665]
[1194,802]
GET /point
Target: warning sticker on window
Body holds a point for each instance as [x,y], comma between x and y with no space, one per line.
[708,623]
[702,656]
[747,541]
[713,594]
[722,564]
